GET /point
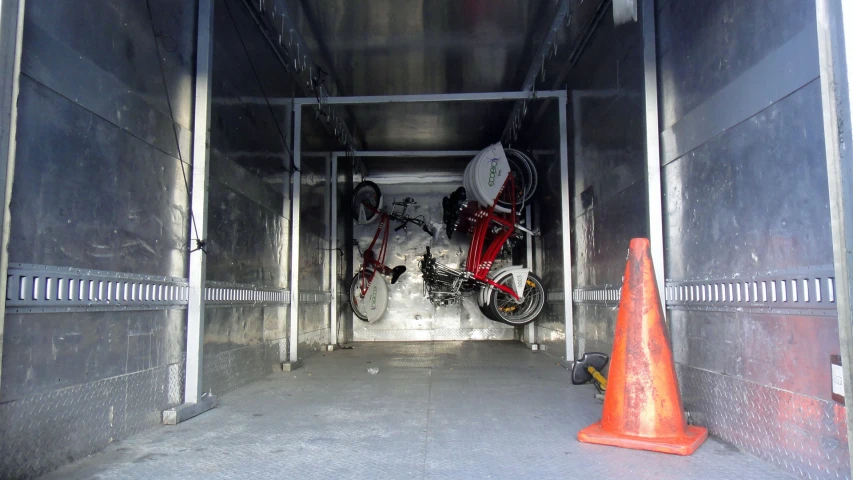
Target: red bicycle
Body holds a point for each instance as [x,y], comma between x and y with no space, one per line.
[512,294]
[369,291]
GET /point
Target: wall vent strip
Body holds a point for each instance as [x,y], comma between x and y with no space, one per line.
[801,291]
[50,289]
[603,295]
[315,297]
[224,294]
[44,288]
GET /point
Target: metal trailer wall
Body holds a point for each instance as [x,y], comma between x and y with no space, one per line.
[248,201]
[745,200]
[606,153]
[410,315]
[105,112]
[606,117]
[550,326]
[343,253]
[315,253]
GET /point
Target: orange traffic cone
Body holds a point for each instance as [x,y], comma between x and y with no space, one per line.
[642,407]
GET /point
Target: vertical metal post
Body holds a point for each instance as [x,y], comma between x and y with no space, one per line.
[198,202]
[528,262]
[835,50]
[295,179]
[333,252]
[11,34]
[566,232]
[653,183]
[194,400]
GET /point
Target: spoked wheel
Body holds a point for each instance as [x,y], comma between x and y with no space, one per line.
[526,177]
[503,307]
[366,202]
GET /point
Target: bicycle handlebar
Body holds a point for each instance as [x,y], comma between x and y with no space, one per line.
[407,220]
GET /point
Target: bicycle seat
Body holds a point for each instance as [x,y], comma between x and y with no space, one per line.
[450,207]
[396,272]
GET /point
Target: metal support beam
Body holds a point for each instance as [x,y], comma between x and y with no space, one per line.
[413,153]
[193,402]
[11,34]
[440,97]
[333,252]
[295,184]
[653,185]
[566,230]
[528,262]
[835,48]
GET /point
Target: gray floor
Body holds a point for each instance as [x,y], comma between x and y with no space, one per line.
[434,410]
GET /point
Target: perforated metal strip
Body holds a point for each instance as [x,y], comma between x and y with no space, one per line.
[800,291]
[222,294]
[44,288]
[605,295]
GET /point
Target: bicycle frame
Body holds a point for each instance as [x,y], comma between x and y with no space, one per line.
[372,260]
[480,261]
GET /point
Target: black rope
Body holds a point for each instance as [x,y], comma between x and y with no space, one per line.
[200,243]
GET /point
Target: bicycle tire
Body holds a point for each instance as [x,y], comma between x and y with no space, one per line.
[530,307]
[354,287]
[370,193]
[521,173]
[525,168]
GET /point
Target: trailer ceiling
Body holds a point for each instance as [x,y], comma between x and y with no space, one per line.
[392,47]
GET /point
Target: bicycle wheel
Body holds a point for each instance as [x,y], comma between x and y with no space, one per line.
[355,300]
[366,203]
[526,177]
[505,309]
[521,177]
[372,306]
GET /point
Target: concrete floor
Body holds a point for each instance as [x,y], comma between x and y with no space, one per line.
[434,410]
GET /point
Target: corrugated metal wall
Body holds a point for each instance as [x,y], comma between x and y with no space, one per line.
[314,255]
[548,248]
[104,131]
[248,199]
[745,197]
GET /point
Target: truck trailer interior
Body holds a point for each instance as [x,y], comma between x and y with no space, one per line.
[426,239]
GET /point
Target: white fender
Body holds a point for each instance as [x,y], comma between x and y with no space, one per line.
[519,279]
[375,301]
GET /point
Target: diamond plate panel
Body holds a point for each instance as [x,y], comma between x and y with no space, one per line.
[802,435]
[227,371]
[43,432]
[439,334]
